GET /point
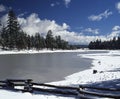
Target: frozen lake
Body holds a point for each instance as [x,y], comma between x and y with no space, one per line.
[43,67]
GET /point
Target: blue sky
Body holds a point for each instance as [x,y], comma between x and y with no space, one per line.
[77,21]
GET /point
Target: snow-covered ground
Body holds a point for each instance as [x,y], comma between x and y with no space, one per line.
[106,64]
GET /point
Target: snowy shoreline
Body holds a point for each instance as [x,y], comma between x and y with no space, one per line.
[3,52]
[106,64]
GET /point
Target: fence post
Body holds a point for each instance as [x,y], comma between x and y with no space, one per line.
[28,86]
[9,84]
[81,88]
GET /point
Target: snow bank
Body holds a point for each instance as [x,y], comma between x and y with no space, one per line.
[15,95]
[106,64]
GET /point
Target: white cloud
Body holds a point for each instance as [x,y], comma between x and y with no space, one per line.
[116,28]
[100,16]
[118,6]
[33,24]
[115,32]
[90,30]
[67,2]
[52,4]
[2,8]
[22,14]
[75,38]
[3,19]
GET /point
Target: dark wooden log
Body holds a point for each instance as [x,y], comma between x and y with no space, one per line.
[97,88]
[85,97]
[54,86]
[83,92]
[28,86]
[9,84]
[55,91]
[2,81]
[19,84]
[19,80]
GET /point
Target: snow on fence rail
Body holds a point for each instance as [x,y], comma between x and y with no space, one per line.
[83,91]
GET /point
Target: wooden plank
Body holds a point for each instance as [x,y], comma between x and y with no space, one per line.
[97,88]
[54,86]
[19,80]
[9,84]
[99,94]
[55,91]
[19,84]
[2,81]
[85,97]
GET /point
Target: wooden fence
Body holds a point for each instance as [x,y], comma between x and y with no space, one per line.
[83,91]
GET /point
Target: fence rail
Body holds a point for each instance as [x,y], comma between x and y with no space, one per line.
[98,88]
[95,94]
[61,87]
[81,91]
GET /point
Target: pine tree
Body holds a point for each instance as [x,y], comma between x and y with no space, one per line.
[4,38]
[13,29]
[49,40]
[58,41]
[38,41]
[21,42]
[118,42]
[29,45]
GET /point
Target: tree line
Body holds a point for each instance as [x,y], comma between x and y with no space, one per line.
[111,44]
[13,37]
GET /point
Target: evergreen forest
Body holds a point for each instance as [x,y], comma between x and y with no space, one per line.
[113,44]
[13,37]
